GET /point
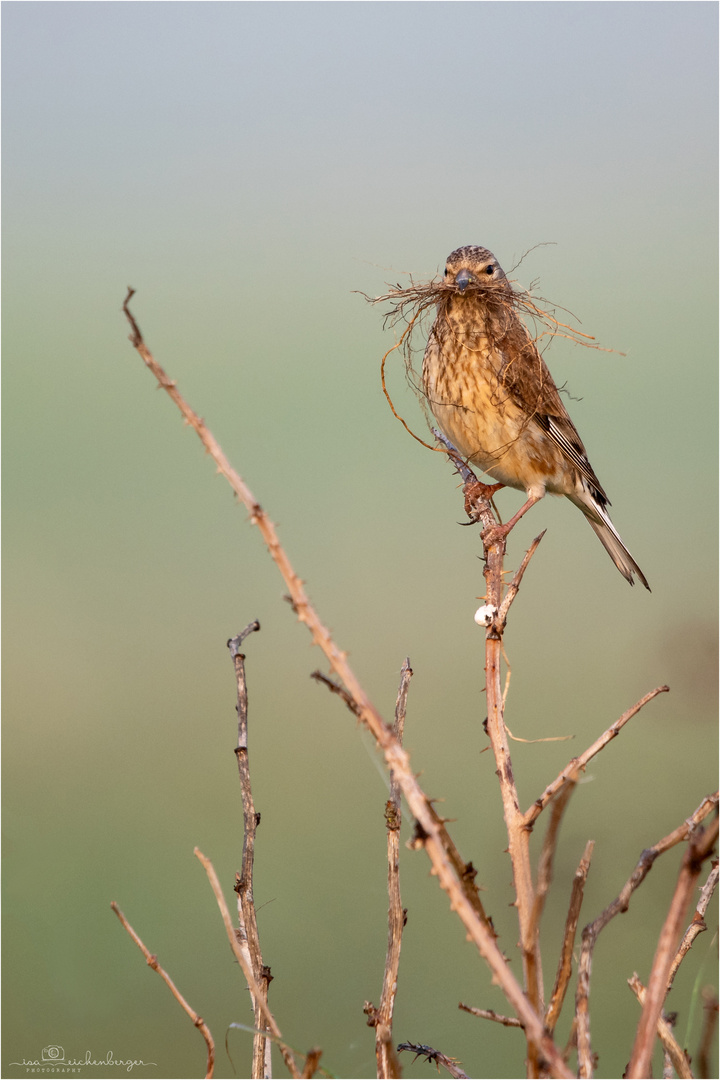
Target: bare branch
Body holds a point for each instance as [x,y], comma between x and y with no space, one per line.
[670,1044]
[153,963]
[246,968]
[335,688]
[562,979]
[490,1014]
[248,930]
[387,1062]
[518,834]
[700,846]
[478,507]
[547,855]
[710,1005]
[697,924]
[579,763]
[619,905]
[312,1060]
[514,585]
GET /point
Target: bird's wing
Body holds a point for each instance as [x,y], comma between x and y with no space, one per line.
[563,433]
[528,380]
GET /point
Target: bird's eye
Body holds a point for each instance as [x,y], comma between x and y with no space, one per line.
[446,271]
[489,269]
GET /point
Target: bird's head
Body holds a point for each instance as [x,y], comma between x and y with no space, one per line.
[472,265]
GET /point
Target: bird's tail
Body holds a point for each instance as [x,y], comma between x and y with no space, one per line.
[609,537]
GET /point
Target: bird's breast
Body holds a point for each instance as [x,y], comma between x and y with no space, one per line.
[474,408]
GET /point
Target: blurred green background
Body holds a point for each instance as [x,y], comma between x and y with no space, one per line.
[247,167]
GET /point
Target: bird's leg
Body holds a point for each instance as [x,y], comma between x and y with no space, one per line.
[499,532]
[474,490]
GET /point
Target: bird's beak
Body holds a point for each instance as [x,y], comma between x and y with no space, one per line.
[463,279]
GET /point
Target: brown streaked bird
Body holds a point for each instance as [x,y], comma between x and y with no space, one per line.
[494,398]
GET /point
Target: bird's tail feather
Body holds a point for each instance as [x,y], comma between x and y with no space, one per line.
[610,539]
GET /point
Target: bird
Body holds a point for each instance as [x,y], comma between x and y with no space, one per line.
[494,398]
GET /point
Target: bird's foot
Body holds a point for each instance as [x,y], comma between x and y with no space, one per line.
[495,534]
[475,490]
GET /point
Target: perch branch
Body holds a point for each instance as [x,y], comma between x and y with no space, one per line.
[479,508]
[153,963]
[395,756]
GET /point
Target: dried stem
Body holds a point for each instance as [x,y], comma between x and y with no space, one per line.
[153,963]
[579,763]
[665,1033]
[619,905]
[562,979]
[547,855]
[387,1062]
[710,1005]
[697,923]
[490,1014]
[512,589]
[395,756]
[700,847]
[248,936]
[255,990]
[312,1060]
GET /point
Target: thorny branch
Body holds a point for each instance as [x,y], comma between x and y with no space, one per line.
[518,833]
[435,1057]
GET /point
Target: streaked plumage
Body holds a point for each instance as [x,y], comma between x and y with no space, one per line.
[494,398]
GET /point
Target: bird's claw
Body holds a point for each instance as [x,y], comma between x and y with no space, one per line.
[494,534]
[474,491]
